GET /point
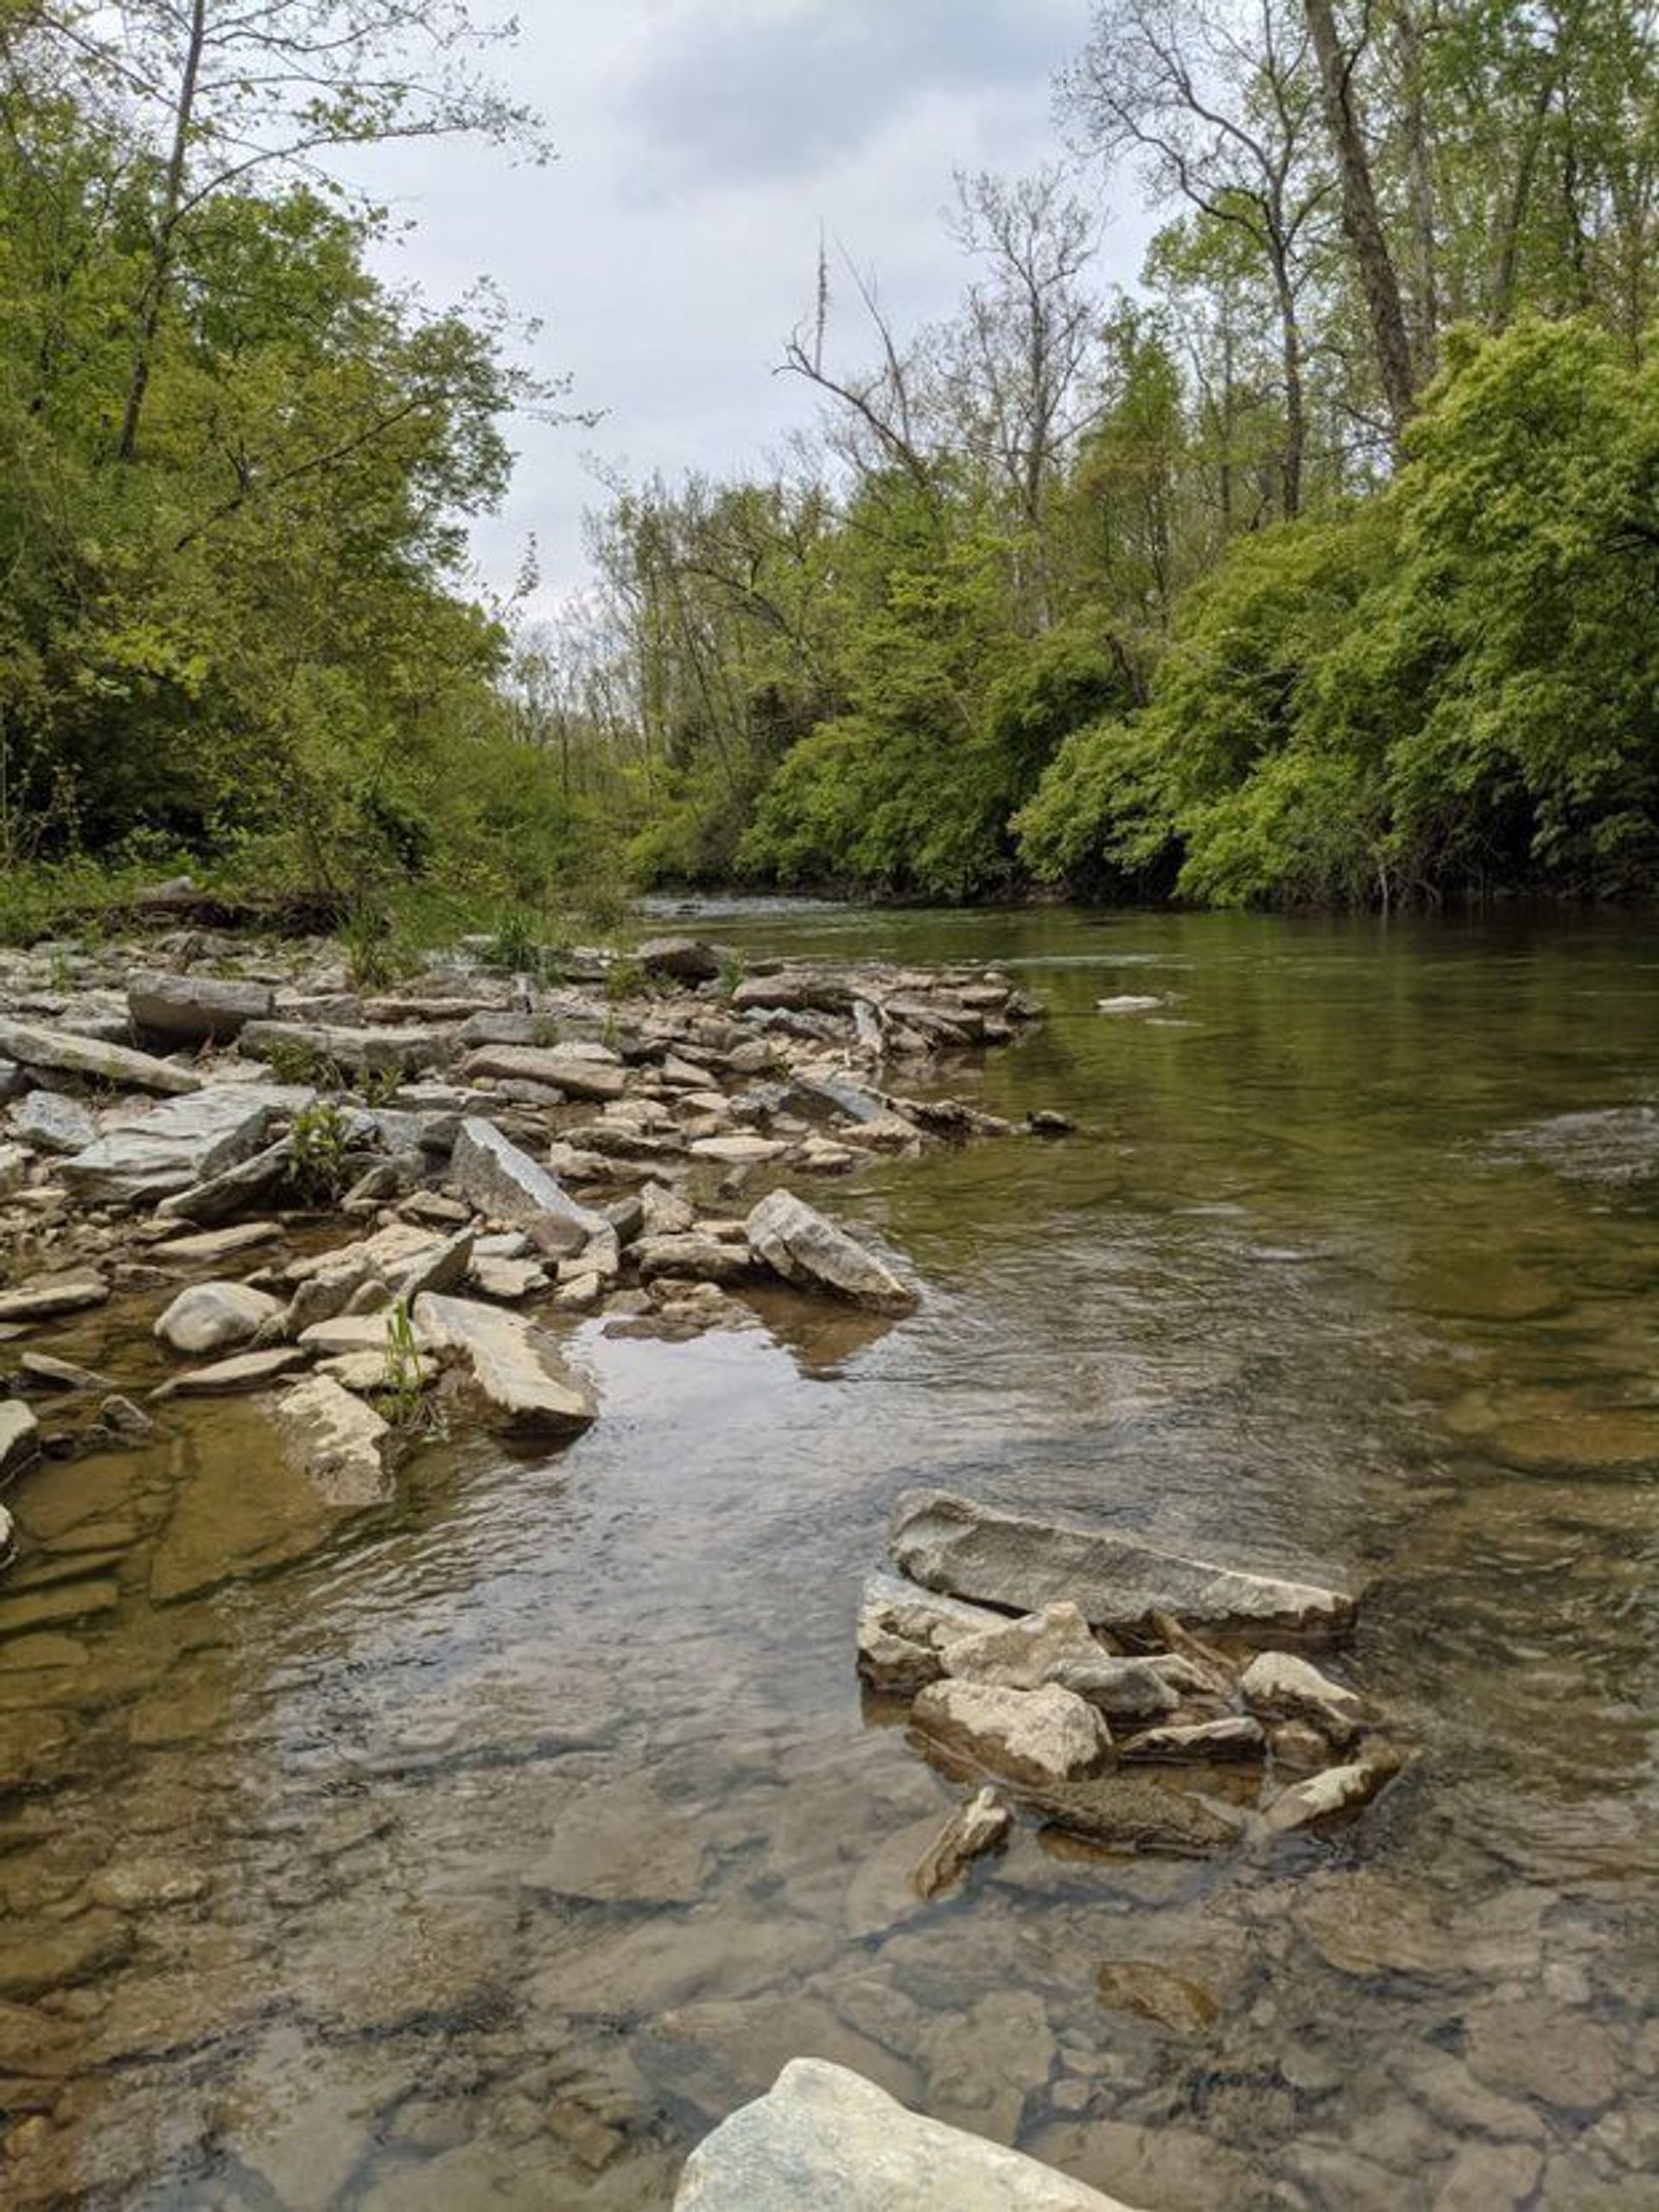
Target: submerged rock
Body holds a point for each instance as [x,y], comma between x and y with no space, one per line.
[516,1367]
[976,1552]
[823,2139]
[1131,1812]
[215,1317]
[981,1825]
[1038,1736]
[1339,1790]
[796,1242]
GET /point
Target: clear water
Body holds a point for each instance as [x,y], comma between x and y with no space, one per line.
[486,1852]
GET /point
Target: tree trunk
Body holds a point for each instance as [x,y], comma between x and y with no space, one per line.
[154,297]
[1419,180]
[1295,398]
[1360,220]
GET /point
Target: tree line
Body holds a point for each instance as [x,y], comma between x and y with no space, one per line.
[1317,567]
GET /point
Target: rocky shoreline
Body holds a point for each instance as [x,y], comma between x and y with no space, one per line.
[370,1212]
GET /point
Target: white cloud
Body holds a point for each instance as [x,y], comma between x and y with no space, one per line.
[671,248]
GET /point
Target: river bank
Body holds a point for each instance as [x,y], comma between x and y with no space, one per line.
[1322,1277]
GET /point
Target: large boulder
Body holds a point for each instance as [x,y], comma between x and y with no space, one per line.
[515,1367]
[195,1009]
[796,1242]
[1010,1559]
[83,1056]
[52,1123]
[1037,1735]
[214,1317]
[180,1143]
[823,2139]
[493,1175]
[679,959]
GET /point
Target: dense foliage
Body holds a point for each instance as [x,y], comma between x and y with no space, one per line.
[235,474]
[1320,572]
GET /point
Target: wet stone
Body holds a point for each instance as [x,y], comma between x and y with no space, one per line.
[1533,2048]
[49,1955]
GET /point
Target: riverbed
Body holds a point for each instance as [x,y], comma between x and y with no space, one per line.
[488,1854]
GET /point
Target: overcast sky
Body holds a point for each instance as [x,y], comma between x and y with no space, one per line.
[671,248]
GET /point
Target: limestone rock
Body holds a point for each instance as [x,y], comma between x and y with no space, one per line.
[178,1144]
[1281,1686]
[1339,1790]
[1237,1736]
[14,1169]
[247,1370]
[682,959]
[332,1436]
[796,990]
[796,1242]
[352,1051]
[1055,1646]
[737,1151]
[981,1825]
[496,1178]
[516,1368]
[249,1183]
[903,1631]
[215,1244]
[704,1259]
[562,1068]
[195,1008]
[52,1123]
[443,1268]
[1131,1812]
[115,1064]
[664,1212]
[46,1298]
[20,1439]
[212,1317]
[977,1552]
[1038,1736]
[823,2139]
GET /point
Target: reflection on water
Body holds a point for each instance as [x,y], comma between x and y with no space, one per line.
[484,1851]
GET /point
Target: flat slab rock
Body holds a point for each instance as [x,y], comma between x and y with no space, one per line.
[180,1143]
[356,1051]
[823,2139]
[974,1551]
[194,1008]
[44,1298]
[492,1174]
[335,1439]
[65,1055]
[796,1242]
[516,1367]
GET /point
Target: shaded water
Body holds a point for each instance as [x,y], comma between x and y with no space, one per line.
[487,1852]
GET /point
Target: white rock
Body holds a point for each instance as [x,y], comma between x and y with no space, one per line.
[796,1242]
[737,1151]
[823,2139]
[567,1068]
[333,1438]
[1045,1735]
[516,1368]
[20,1439]
[1055,1646]
[212,1317]
[196,1008]
[1338,1790]
[903,1630]
[1280,1686]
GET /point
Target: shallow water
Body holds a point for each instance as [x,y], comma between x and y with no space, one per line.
[486,1850]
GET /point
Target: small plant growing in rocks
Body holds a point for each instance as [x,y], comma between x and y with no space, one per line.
[320,1144]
